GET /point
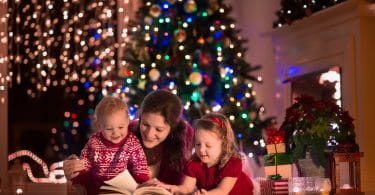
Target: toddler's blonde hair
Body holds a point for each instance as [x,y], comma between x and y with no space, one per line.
[109,105]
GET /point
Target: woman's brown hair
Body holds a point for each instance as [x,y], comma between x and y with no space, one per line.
[177,144]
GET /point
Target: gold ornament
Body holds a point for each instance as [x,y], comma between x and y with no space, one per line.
[143,54]
[195,78]
[227,42]
[180,35]
[142,84]
[190,6]
[171,1]
[155,11]
[209,39]
[212,7]
[154,74]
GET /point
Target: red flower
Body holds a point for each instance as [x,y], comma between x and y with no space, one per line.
[274,135]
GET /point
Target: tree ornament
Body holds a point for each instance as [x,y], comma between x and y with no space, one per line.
[190,6]
[201,40]
[155,11]
[194,32]
[253,115]
[209,39]
[180,35]
[154,74]
[142,84]
[205,59]
[227,42]
[171,1]
[213,5]
[124,71]
[195,78]
[207,79]
[222,72]
[148,20]
[143,54]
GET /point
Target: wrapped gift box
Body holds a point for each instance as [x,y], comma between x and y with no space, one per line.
[280,186]
[265,187]
[285,171]
[284,165]
[279,159]
[275,148]
[270,187]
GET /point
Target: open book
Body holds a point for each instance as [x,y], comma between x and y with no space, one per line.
[124,183]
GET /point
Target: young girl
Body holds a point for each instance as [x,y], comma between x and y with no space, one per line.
[110,150]
[216,167]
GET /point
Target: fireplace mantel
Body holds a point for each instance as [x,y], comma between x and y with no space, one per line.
[342,35]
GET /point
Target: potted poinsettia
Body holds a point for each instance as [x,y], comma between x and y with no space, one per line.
[317,127]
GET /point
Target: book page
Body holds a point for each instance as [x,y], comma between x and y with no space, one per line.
[153,190]
[110,190]
[123,181]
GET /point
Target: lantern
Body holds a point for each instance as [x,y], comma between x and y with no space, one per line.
[346,172]
[17,178]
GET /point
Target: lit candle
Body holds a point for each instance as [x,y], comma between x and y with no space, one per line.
[326,186]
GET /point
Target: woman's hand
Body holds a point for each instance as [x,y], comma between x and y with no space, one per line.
[151,182]
[200,192]
[72,166]
[156,182]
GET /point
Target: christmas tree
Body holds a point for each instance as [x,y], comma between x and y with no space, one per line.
[193,49]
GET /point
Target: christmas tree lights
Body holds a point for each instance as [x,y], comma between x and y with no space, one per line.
[70,45]
[193,49]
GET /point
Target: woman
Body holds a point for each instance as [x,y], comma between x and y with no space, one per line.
[167,139]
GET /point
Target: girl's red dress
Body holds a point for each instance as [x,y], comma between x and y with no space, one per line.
[209,178]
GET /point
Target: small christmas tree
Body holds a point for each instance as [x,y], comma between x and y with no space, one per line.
[193,49]
[292,10]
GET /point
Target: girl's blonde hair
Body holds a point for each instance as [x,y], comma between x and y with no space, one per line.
[109,105]
[220,125]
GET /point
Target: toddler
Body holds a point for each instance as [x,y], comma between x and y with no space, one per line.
[111,150]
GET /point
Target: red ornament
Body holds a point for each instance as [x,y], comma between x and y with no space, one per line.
[74,116]
[207,79]
[205,59]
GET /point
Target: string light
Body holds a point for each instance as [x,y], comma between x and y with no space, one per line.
[74,41]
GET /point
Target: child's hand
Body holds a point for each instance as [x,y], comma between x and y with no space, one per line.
[156,182]
[200,192]
[72,166]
